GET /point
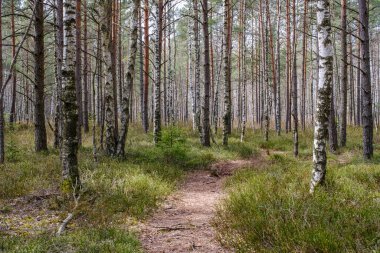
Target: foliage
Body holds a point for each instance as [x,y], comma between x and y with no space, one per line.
[86,241]
[269,209]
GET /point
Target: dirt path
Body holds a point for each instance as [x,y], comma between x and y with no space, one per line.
[183,222]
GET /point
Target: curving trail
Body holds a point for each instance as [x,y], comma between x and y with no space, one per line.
[182,224]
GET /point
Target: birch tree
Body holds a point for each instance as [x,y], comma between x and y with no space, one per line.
[323,93]
[110,122]
[157,77]
[129,81]
[70,171]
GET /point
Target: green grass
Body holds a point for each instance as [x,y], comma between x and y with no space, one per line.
[108,240]
[269,209]
[116,191]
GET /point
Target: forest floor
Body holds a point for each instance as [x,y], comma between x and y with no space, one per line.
[184,222]
[251,196]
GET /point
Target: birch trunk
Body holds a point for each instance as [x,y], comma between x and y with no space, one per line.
[109,103]
[324,93]
[69,151]
[197,79]
[157,81]
[129,81]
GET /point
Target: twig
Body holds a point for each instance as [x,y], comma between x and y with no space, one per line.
[70,216]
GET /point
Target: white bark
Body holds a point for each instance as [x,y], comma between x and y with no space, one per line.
[324,93]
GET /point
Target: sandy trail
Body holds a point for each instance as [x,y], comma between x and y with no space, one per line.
[182,224]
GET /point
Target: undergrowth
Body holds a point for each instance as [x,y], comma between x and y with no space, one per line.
[269,208]
[116,193]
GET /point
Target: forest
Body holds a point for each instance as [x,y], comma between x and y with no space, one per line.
[189,126]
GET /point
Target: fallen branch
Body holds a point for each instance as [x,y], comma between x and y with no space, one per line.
[70,216]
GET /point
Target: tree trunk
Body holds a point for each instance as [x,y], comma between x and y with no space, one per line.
[12,115]
[78,67]
[70,171]
[197,79]
[358,85]
[59,56]
[367,120]
[295,86]
[304,67]
[110,124]
[146,66]
[207,73]
[333,135]
[278,103]
[227,86]
[288,68]
[343,87]
[39,78]
[85,108]
[244,73]
[129,81]
[324,93]
[157,81]
[2,151]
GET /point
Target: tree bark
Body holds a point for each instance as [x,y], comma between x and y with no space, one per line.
[39,78]
[12,115]
[70,171]
[227,86]
[129,81]
[2,151]
[295,86]
[324,93]
[197,79]
[85,108]
[146,66]
[109,103]
[343,87]
[206,102]
[59,56]
[157,81]
[367,119]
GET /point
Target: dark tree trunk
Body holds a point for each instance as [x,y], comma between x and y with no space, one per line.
[12,115]
[227,117]
[85,73]
[343,87]
[333,135]
[367,120]
[59,57]
[39,78]
[146,66]
[206,103]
